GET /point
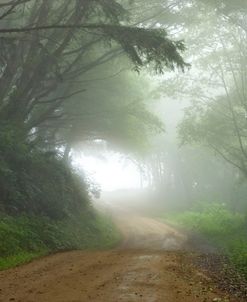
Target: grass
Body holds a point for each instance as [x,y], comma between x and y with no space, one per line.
[44,205]
[20,258]
[224,229]
[25,238]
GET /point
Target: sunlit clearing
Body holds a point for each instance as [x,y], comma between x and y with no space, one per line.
[111,172]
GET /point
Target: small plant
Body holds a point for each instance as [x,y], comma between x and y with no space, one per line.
[26,237]
[224,229]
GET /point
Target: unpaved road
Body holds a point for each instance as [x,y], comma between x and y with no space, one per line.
[150,266]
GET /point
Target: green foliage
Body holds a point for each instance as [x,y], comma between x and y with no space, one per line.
[20,258]
[36,182]
[88,34]
[26,237]
[212,220]
[238,254]
[224,229]
[114,110]
[148,46]
[221,126]
[44,207]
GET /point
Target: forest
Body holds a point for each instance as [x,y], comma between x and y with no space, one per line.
[162,86]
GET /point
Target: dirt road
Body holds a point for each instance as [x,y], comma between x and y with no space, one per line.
[150,266]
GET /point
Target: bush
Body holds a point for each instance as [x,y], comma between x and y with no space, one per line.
[212,220]
[224,229]
[36,182]
[44,206]
[24,238]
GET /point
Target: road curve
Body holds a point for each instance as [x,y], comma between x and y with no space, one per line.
[150,266]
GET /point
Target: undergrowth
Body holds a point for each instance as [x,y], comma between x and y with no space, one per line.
[44,205]
[224,229]
[24,238]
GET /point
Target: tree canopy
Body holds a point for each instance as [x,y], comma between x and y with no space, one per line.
[48,47]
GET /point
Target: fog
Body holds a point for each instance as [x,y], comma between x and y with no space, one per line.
[113,171]
[123,124]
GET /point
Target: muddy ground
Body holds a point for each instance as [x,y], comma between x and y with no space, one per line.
[153,264]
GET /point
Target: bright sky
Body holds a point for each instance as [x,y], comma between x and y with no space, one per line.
[112,172]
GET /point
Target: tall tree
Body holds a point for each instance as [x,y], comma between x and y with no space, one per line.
[219,122]
[47,45]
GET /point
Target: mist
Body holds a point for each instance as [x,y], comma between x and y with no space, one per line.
[123,150]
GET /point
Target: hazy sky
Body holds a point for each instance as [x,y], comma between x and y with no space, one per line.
[112,172]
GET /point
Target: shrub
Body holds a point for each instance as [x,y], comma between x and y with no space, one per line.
[44,206]
[23,238]
[36,182]
[224,229]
